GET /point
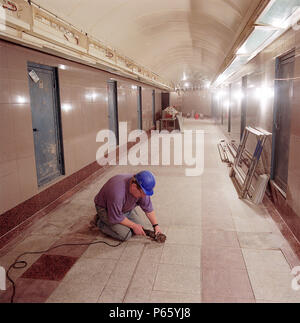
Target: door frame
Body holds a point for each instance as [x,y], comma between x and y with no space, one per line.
[113,110]
[289,54]
[57,115]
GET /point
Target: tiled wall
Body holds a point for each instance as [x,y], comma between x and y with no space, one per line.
[236,106]
[193,101]
[261,74]
[176,100]
[83,94]
[17,161]
[147,108]
[127,104]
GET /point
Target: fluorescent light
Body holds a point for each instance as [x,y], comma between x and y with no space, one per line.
[220,94]
[62,67]
[21,99]
[238,95]
[271,24]
[91,96]
[207,85]
[278,23]
[241,51]
[264,93]
[226,105]
[66,107]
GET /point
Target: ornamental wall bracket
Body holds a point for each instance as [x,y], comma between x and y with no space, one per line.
[9,5]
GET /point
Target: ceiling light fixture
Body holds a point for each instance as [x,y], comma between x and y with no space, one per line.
[278,16]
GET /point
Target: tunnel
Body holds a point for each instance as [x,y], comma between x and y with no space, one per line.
[149,154]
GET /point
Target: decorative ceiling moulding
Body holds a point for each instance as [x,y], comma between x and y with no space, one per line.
[53,30]
[32,26]
[16,14]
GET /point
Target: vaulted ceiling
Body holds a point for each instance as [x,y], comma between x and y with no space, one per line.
[180,40]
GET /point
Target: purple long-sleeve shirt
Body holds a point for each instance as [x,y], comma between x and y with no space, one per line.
[115,197]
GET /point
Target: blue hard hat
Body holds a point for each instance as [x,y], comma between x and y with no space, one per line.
[146,180]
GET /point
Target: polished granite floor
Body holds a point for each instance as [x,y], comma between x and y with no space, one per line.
[218,248]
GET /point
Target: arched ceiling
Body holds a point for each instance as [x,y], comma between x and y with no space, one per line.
[180,40]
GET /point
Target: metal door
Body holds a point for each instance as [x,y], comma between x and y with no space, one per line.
[282,119]
[46,122]
[165,100]
[113,116]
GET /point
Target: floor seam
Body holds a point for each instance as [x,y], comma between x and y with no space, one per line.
[134,272]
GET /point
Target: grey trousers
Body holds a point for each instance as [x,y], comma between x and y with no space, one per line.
[116,231]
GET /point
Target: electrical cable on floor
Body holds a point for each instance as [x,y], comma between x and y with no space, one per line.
[23,264]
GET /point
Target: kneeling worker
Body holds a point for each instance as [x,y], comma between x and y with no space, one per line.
[116,202]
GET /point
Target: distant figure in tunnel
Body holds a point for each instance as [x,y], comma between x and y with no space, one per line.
[116,203]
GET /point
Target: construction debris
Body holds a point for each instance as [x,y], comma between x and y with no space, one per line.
[243,160]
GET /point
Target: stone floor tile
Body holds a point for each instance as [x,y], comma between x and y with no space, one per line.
[266,260]
[181,255]
[91,270]
[222,282]
[273,286]
[77,292]
[138,295]
[170,297]
[122,274]
[178,278]
[261,240]
[112,295]
[219,238]
[187,235]
[226,258]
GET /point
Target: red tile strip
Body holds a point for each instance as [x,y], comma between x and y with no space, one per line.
[50,267]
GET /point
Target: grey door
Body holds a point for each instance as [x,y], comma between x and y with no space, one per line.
[282,119]
[113,116]
[46,124]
